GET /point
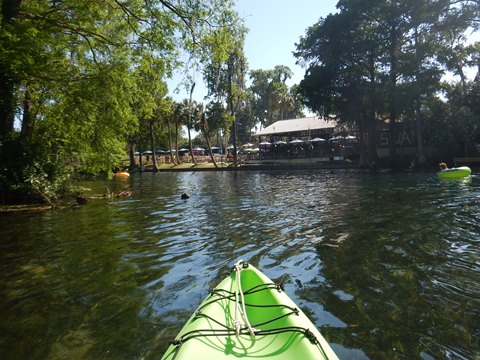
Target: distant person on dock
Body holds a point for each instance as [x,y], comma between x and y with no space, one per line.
[443,166]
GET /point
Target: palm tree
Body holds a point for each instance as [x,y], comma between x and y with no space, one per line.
[191,108]
[203,122]
[178,115]
[151,124]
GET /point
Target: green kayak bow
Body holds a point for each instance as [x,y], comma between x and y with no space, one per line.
[248,316]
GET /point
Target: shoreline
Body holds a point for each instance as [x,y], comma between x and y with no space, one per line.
[191,167]
[184,167]
[270,165]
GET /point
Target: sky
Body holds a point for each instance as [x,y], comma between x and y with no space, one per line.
[274,28]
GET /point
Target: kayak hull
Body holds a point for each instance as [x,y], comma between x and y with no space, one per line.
[455,173]
[281,329]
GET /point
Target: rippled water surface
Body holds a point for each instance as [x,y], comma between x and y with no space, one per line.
[387,266]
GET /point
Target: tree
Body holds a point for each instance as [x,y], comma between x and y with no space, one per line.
[297,101]
[83,111]
[183,116]
[201,120]
[190,123]
[271,98]
[380,59]
[149,74]
[166,112]
[225,71]
[343,74]
[180,113]
[215,119]
[87,101]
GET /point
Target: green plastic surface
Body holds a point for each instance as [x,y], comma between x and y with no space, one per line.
[210,335]
[458,172]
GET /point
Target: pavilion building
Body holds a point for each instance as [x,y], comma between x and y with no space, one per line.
[303,128]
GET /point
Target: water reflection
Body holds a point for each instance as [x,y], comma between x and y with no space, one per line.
[387,266]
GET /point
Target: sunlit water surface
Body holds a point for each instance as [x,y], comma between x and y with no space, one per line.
[387,266]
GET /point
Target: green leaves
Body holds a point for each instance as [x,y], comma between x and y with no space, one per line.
[272,99]
[384,59]
[86,75]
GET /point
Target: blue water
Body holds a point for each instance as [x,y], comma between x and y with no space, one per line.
[387,266]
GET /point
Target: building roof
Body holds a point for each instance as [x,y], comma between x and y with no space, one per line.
[311,123]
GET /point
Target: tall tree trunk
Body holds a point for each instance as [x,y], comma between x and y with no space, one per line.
[152,146]
[10,10]
[140,159]
[363,160]
[232,113]
[28,119]
[393,98]
[372,116]
[421,158]
[131,154]
[190,116]
[225,140]
[235,152]
[7,103]
[176,140]
[207,139]
[190,145]
[170,143]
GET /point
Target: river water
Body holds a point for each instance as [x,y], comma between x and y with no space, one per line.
[386,265]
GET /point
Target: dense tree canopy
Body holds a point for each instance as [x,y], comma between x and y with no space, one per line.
[272,99]
[384,60]
[78,79]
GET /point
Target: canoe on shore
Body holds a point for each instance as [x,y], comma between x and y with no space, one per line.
[248,316]
[455,173]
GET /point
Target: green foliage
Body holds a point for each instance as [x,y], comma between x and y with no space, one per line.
[86,76]
[217,118]
[48,180]
[90,118]
[272,99]
[453,126]
[384,60]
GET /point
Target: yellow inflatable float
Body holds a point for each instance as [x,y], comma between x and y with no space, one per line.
[121,174]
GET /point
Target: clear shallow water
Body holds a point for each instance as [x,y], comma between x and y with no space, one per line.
[387,266]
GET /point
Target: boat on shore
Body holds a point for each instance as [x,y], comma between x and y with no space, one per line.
[455,172]
[248,316]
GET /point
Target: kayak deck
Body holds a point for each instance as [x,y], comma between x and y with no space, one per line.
[273,326]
